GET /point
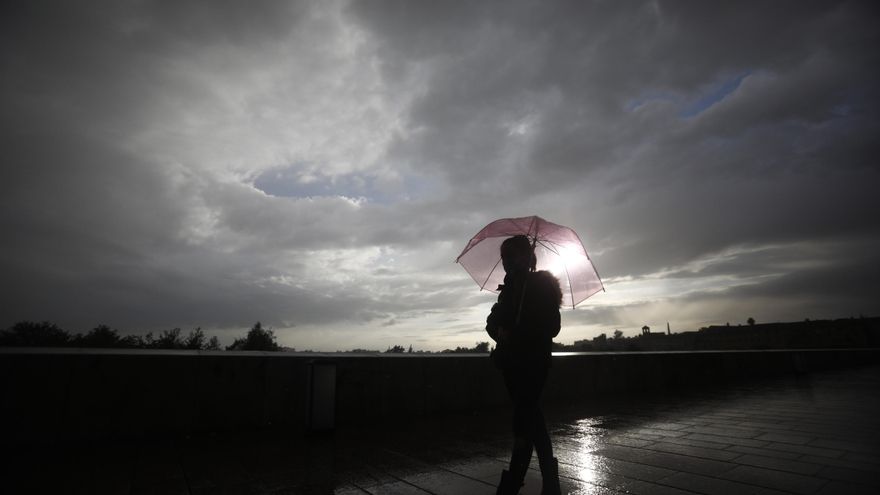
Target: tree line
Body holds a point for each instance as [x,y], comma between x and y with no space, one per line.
[258,338]
[479,348]
[46,334]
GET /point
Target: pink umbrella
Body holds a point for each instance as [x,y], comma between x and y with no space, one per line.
[558,249]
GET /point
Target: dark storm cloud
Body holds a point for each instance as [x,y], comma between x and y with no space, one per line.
[772,160]
[573,67]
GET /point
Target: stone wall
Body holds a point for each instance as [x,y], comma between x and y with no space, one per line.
[47,394]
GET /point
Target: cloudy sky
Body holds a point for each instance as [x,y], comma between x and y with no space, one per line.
[319,166]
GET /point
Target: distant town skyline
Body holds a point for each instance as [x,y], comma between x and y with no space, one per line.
[317,166]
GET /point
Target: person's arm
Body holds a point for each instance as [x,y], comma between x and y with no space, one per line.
[494,320]
[493,323]
[502,317]
[554,322]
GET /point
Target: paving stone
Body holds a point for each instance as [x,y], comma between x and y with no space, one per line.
[484,468]
[785,438]
[631,470]
[348,490]
[724,423]
[845,445]
[646,436]
[864,458]
[447,483]
[765,425]
[717,454]
[728,431]
[857,476]
[727,440]
[696,443]
[666,426]
[639,487]
[842,488]
[658,432]
[806,450]
[844,463]
[769,478]
[628,441]
[788,465]
[396,488]
[764,452]
[367,476]
[674,462]
[705,484]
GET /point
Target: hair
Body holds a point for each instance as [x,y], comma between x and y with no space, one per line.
[519,245]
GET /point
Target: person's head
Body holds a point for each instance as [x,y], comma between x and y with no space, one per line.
[517,254]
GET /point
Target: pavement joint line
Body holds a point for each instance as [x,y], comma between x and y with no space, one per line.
[433,466]
[352,483]
[826,480]
[660,481]
[391,475]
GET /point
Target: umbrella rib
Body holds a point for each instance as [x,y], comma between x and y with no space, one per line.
[570,288]
[483,285]
[549,245]
[591,263]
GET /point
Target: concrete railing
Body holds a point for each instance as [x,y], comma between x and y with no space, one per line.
[46,394]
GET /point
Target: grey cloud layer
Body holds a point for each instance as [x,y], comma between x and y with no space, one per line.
[134,134]
[787,155]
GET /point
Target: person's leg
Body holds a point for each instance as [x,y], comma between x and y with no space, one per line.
[521,452]
[541,439]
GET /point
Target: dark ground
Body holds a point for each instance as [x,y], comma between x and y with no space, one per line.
[812,434]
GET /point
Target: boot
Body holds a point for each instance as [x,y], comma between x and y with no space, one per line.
[509,485]
[520,458]
[550,477]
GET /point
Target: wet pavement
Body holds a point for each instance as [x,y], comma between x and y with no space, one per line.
[812,434]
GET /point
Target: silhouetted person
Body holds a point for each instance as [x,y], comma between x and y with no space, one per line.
[523,323]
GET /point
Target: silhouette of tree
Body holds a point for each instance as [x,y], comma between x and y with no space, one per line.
[149,341]
[618,335]
[213,344]
[751,321]
[481,348]
[136,341]
[257,339]
[398,349]
[32,334]
[101,336]
[195,340]
[169,339]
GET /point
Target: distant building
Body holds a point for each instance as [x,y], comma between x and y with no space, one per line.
[840,333]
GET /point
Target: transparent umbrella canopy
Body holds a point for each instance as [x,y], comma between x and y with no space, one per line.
[558,249]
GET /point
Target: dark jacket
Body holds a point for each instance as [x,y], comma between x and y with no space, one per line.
[530,341]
